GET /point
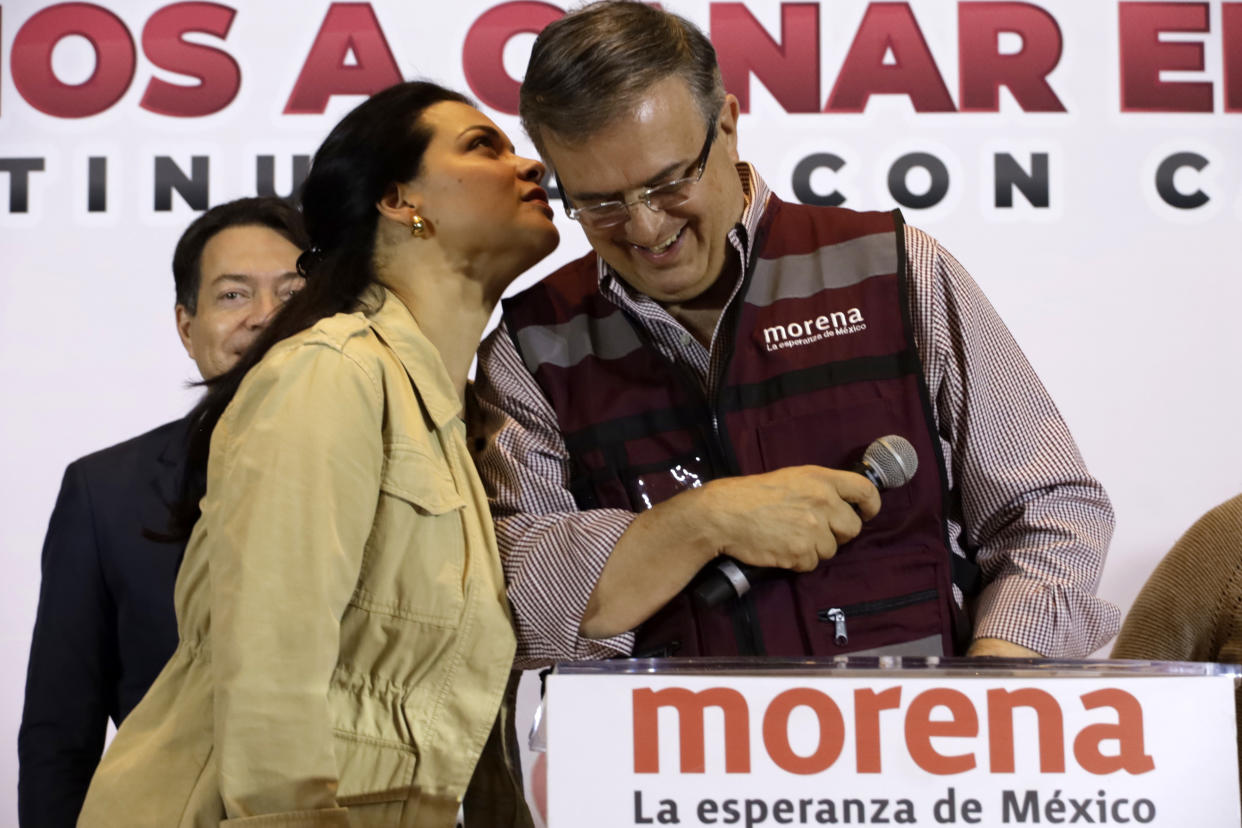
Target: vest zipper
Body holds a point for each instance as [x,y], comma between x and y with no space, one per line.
[837,615]
[840,637]
[747,629]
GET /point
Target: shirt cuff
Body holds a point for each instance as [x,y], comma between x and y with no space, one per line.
[1053,620]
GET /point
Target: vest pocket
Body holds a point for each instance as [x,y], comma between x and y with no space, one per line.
[880,604]
[654,483]
[799,440]
[639,473]
[842,617]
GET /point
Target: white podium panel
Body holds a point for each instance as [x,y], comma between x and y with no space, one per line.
[891,742]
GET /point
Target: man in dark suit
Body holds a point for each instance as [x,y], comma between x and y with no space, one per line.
[105,625]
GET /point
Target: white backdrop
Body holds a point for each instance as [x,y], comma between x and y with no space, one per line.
[1125,304]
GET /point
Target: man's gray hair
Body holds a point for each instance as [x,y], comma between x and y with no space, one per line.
[599,60]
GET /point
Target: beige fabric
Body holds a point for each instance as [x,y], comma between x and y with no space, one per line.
[345,636]
[1190,609]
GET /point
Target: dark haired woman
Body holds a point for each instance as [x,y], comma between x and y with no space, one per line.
[345,636]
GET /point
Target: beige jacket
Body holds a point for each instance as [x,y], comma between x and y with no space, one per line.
[345,636]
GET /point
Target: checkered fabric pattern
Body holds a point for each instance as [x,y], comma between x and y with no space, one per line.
[1021,499]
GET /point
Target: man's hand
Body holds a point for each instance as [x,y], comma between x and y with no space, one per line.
[791,518]
[999,648]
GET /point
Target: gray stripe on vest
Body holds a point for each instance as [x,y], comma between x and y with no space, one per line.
[568,343]
[929,646]
[838,266]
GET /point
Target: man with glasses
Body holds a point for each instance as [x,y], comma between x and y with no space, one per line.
[680,406]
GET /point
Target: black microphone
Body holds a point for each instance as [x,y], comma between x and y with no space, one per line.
[888,462]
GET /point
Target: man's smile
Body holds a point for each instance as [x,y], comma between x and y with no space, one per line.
[661,249]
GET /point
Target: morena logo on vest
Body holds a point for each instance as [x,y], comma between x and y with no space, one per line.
[817,329]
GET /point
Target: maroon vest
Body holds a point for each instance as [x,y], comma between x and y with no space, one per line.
[823,362]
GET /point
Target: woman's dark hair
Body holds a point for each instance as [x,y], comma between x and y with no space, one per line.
[379,143]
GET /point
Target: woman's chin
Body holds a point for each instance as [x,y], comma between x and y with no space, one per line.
[544,242]
[522,256]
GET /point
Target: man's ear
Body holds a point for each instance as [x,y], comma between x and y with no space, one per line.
[184,319]
[398,203]
[728,125]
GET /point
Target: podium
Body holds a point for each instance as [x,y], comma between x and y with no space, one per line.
[891,740]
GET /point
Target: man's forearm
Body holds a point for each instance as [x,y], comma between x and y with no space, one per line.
[999,648]
[661,551]
[791,518]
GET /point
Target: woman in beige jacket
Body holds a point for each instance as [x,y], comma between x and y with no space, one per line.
[345,636]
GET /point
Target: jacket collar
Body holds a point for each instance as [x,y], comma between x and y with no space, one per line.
[395,325]
[167,475]
[172,452]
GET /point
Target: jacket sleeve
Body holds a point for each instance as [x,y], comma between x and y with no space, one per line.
[293,481]
[71,676]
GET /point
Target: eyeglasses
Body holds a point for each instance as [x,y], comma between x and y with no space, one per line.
[657,198]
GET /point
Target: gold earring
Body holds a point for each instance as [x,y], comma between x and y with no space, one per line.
[418,226]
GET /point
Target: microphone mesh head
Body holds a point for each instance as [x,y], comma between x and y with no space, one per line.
[893,459]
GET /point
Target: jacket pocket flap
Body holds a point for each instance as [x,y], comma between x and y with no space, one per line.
[420,479]
[373,770]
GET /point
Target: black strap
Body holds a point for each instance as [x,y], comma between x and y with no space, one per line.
[966,574]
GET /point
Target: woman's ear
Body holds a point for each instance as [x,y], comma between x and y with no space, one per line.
[397,204]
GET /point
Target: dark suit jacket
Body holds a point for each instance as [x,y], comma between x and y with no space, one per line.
[105,625]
